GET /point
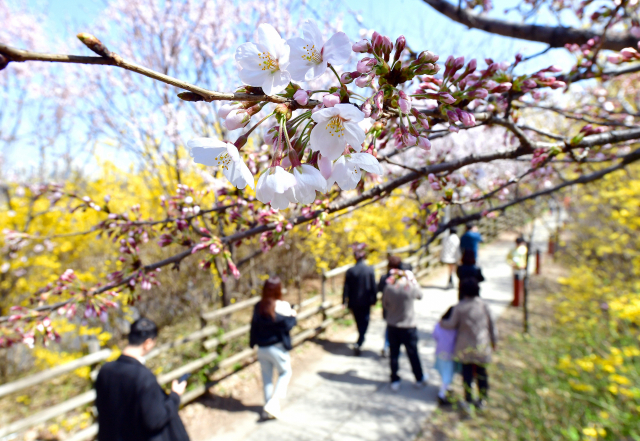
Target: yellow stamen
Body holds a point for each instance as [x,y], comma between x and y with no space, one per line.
[336,126]
[223,160]
[268,62]
[312,54]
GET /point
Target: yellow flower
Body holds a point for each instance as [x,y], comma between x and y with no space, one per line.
[620,379]
[604,415]
[613,388]
[590,431]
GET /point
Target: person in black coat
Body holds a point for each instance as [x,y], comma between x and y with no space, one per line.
[272,321]
[131,404]
[469,269]
[359,294]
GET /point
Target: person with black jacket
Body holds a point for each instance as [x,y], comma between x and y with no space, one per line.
[131,404]
[469,269]
[272,321]
[359,294]
[394,263]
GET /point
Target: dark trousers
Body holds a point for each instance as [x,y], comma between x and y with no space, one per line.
[409,338]
[480,372]
[361,315]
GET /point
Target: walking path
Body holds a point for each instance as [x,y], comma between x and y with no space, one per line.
[343,397]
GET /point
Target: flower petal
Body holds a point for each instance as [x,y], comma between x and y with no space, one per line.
[345,175]
[248,56]
[316,71]
[325,165]
[312,33]
[330,146]
[207,155]
[325,115]
[253,77]
[280,180]
[270,38]
[337,49]
[263,192]
[350,112]
[367,162]
[276,82]
[354,135]
[234,173]
[310,177]
[279,201]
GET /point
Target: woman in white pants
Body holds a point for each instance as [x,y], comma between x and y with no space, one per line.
[450,254]
[272,321]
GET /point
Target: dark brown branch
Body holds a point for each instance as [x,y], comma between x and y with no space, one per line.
[554,36]
[19,55]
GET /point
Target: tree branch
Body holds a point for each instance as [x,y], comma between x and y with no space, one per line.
[19,55]
[554,36]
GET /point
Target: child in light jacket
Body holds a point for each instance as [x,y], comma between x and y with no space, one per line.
[445,345]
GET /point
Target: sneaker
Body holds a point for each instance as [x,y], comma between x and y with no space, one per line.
[272,409]
[444,402]
[481,404]
[357,351]
[421,384]
[395,386]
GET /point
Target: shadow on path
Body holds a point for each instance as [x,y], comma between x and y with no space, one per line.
[341,348]
[228,404]
[351,377]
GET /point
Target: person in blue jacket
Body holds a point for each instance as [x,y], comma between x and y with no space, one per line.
[471,240]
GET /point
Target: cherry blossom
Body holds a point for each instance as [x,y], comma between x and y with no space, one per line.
[264,63]
[336,127]
[272,186]
[346,170]
[308,181]
[213,152]
[310,55]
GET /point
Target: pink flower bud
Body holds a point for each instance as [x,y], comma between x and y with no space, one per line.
[458,63]
[555,69]
[404,102]
[449,62]
[479,93]
[467,118]
[501,88]
[472,66]
[408,139]
[387,46]
[378,99]
[530,84]
[490,84]
[366,65]
[615,59]
[361,46]
[366,109]
[331,100]
[301,97]
[424,143]
[401,42]
[628,53]
[225,109]
[558,84]
[452,116]
[446,98]
[237,119]
[364,80]
[346,78]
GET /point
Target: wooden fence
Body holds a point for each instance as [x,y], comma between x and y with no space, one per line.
[321,306]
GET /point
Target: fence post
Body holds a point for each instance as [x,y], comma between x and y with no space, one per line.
[538,261]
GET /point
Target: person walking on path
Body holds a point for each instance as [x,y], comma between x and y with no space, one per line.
[272,321]
[399,294]
[360,293]
[446,367]
[471,240]
[475,340]
[469,269]
[517,258]
[131,405]
[450,254]
[394,262]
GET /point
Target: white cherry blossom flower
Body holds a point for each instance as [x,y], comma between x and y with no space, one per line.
[213,152]
[308,181]
[264,63]
[336,127]
[346,170]
[273,183]
[310,54]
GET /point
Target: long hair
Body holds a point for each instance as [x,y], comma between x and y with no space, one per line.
[468,257]
[271,291]
[469,287]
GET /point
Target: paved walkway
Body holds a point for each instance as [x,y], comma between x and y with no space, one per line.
[346,398]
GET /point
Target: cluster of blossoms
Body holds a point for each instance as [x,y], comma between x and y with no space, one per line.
[404,278]
[625,55]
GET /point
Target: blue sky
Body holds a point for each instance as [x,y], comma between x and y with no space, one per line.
[423,27]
